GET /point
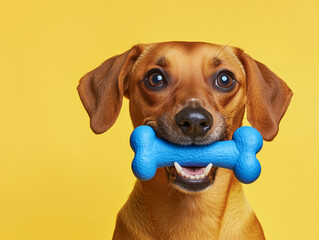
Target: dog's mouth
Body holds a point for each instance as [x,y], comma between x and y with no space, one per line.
[186,178]
[192,179]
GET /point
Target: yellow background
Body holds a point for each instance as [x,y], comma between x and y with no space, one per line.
[60,181]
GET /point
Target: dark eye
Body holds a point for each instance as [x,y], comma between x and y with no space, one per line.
[225,81]
[155,80]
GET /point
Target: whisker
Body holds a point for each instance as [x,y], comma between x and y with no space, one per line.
[177,193]
[225,46]
[236,117]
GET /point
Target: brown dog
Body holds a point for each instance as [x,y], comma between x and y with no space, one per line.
[190,93]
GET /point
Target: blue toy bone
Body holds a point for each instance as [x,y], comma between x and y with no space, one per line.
[238,154]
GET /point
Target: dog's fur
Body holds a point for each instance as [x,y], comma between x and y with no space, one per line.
[160,208]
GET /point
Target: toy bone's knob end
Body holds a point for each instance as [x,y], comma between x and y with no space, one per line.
[144,171]
[249,142]
[248,138]
[141,139]
[141,136]
[248,171]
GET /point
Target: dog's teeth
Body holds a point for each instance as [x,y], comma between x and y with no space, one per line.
[181,172]
[207,169]
[178,167]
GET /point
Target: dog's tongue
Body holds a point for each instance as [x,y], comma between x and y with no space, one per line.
[193,170]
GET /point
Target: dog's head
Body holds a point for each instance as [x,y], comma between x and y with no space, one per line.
[190,93]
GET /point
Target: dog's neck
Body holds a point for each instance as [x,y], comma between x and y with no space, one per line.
[173,212]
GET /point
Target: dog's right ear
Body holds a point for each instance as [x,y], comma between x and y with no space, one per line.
[101,90]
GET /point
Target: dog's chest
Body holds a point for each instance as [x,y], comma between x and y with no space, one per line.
[188,220]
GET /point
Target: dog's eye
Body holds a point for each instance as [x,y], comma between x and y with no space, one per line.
[225,81]
[155,80]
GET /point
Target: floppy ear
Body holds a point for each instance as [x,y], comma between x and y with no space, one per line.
[101,90]
[268,96]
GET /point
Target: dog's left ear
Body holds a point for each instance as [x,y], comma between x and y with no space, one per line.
[268,96]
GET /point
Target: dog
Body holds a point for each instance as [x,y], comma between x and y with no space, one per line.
[190,93]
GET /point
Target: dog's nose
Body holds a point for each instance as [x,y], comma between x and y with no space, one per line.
[194,122]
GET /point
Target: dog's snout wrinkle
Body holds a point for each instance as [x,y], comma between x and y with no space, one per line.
[194,102]
[194,122]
